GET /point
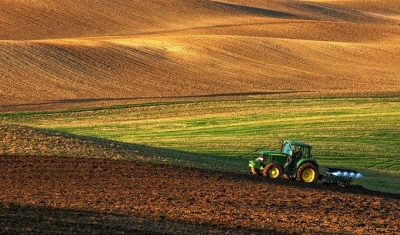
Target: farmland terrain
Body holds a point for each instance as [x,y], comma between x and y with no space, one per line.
[50,183]
[61,55]
[53,195]
[56,54]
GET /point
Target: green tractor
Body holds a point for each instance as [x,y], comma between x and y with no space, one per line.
[295,162]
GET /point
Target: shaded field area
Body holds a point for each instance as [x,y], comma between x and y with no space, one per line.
[45,194]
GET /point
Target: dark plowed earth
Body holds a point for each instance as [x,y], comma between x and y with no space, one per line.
[49,195]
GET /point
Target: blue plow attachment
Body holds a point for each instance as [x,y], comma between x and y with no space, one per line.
[334,175]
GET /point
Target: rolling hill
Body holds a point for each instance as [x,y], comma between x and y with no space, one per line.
[58,54]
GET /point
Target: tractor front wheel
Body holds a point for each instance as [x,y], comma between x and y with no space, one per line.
[273,171]
[308,172]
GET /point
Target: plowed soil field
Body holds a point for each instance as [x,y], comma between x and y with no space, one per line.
[54,195]
[57,54]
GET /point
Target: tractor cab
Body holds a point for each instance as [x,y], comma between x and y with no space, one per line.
[297,154]
[296,149]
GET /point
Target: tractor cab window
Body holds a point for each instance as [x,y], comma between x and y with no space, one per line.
[301,152]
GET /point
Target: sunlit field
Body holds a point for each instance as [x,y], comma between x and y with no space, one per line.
[58,55]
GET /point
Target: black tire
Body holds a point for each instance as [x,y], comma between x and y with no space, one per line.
[273,170]
[308,172]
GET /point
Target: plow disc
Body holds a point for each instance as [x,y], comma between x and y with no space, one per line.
[339,175]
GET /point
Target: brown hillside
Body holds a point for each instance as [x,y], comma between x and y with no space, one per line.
[58,54]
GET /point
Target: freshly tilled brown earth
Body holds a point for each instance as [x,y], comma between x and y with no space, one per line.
[55,195]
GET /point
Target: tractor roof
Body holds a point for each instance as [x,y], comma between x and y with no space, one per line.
[269,152]
[298,143]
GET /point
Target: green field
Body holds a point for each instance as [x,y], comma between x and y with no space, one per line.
[358,133]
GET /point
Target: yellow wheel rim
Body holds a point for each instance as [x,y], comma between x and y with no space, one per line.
[273,172]
[308,175]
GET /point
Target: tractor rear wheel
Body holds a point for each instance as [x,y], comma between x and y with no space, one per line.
[273,171]
[308,172]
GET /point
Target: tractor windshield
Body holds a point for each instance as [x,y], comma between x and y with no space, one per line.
[301,151]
